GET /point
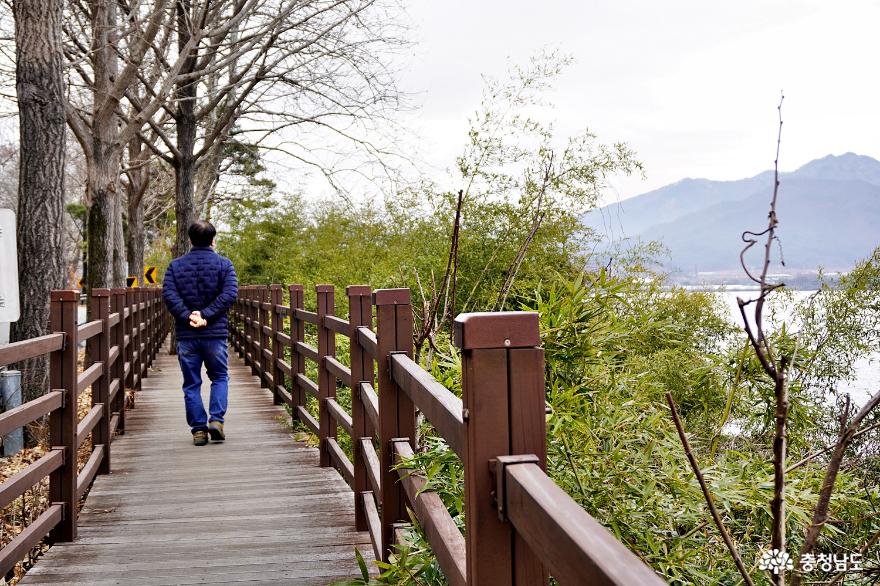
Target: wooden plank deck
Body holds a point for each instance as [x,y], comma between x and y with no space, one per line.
[256,509]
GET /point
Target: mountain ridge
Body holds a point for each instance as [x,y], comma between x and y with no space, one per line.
[700,220]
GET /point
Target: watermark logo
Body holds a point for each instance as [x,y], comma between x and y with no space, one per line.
[775,561]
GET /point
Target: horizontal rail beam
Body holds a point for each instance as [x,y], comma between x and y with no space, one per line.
[18,351]
[114,354]
[30,411]
[340,415]
[371,459]
[285,396]
[306,384]
[443,534]
[88,423]
[573,545]
[370,401]
[309,352]
[88,376]
[367,341]
[114,389]
[87,474]
[114,425]
[306,418]
[439,405]
[309,316]
[23,481]
[337,324]
[25,541]
[89,330]
[374,525]
[339,370]
[343,464]
[283,367]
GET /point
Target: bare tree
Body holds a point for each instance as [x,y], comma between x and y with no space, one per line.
[261,67]
[775,366]
[40,92]
[778,366]
[107,57]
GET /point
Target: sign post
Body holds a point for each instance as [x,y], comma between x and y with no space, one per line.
[10,311]
[150,275]
[9,304]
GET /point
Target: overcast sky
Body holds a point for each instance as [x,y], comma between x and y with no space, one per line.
[691,85]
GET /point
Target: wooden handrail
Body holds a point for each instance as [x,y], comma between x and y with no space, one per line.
[27,349]
[520,526]
[89,330]
[575,547]
[24,480]
[439,405]
[30,411]
[137,316]
[443,534]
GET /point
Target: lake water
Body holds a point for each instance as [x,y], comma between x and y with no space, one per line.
[867,381]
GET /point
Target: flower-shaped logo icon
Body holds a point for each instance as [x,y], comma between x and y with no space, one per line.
[775,561]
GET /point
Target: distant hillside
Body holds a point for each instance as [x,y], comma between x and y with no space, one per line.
[829,212]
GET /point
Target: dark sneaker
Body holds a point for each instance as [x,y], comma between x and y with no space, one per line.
[215,429]
[200,438]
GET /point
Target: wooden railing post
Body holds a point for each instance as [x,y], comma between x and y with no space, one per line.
[360,313]
[138,336]
[245,293]
[263,337]
[297,334]
[147,297]
[154,345]
[99,350]
[397,414]
[252,331]
[119,365]
[240,330]
[233,323]
[63,422]
[134,337]
[255,329]
[276,298]
[129,333]
[326,381]
[503,401]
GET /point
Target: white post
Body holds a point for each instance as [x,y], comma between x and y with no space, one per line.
[10,395]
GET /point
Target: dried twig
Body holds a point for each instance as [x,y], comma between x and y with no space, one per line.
[433,319]
[775,368]
[810,457]
[716,516]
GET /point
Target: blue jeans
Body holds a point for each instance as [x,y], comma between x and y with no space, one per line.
[213,353]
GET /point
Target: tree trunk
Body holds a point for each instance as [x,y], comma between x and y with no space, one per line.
[185,167]
[104,232]
[185,122]
[119,258]
[136,243]
[104,219]
[42,127]
[136,188]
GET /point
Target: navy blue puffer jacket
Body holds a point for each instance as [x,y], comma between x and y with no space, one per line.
[200,280]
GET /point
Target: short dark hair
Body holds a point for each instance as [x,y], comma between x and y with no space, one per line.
[202,233]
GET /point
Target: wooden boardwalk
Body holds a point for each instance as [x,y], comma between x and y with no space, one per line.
[256,509]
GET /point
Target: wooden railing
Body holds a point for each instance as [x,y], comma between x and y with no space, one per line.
[126,329]
[520,526]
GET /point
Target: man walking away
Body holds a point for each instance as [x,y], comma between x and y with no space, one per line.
[199,289]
